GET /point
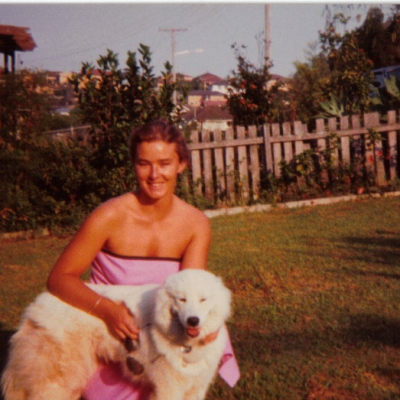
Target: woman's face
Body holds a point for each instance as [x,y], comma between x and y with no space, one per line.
[157,167]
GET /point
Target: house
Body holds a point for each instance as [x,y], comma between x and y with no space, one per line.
[278,79]
[205,81]
[64,77]
[220,86]
[209,117]
[200,98]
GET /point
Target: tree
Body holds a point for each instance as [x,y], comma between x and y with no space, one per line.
[307,87]
[380,39]
[44,182]
[115,100]
[24,109]
[351,70]
[250,93]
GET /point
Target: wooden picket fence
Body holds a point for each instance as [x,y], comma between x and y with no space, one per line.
[229,164]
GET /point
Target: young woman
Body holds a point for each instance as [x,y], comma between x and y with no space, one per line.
[137,238]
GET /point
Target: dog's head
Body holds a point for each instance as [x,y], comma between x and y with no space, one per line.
[194,302]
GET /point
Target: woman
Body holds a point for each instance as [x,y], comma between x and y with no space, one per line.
[139,237]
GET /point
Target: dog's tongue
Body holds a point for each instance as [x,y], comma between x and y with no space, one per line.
[192,332]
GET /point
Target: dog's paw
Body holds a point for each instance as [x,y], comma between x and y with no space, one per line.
[134,366]
[130,345]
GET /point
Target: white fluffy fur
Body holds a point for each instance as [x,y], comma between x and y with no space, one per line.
[58,347]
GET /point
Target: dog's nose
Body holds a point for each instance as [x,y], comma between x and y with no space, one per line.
[193,321]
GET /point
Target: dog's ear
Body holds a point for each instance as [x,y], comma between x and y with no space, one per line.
[163,306]
[224,297]
[226,304]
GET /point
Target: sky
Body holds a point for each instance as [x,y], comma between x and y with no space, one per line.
[68,34]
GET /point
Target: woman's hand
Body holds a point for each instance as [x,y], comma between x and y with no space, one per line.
[118,318]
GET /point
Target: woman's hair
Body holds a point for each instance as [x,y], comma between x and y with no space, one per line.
[158,130]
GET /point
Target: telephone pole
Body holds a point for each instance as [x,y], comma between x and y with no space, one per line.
[173,45]
[267,35]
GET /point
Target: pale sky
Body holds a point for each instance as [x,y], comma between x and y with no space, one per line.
[69,34]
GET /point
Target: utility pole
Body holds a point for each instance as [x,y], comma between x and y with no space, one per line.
[267,35]
[173,45]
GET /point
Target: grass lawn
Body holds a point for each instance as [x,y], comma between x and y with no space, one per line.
[316,298]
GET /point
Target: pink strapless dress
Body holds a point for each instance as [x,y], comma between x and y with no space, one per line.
[107,268]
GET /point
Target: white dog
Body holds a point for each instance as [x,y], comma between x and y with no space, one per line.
[58,347]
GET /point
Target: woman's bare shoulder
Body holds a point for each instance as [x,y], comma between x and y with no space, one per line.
[191,214]
[112,209]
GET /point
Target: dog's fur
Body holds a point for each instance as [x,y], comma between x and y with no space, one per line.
[58,347]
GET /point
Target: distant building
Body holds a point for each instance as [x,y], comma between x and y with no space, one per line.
[201,98]
[220,86]
[64,77]
[210,117]
[205,81]
[13,39]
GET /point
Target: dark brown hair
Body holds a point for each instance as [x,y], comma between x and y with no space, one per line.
[158,130]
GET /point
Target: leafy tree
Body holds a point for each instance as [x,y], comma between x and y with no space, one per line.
[380,39]
[113,101]
[24,109]
[250,94]
[351,70]
[307,87]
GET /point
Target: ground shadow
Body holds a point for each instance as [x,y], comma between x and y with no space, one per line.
[381,248]
[360,330]
[368,273]
[372,330]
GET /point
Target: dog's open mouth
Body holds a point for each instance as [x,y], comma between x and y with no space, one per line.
[192,332]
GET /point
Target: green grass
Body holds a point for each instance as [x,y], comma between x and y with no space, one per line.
[316,298]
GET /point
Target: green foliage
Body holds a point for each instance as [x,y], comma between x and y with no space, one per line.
[333,107]
[24,110]
[60,121]
[386,98]
[314,173]
[380,38]
[249,97]
[307,88]
[49,183]
[351,70]
[113,101]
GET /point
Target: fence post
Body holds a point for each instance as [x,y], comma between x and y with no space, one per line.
[196,165]
[219,166]
[332,127]
[208,168]
[298,131]
[243,166]
[357,146]
[287,146]
[321,147]
[267,149]
[230,167]
[254,164]
[298,146]
[374,154]
[345,141]
[277,150]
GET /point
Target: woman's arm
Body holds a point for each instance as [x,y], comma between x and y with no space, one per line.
[196,253]
[65,281]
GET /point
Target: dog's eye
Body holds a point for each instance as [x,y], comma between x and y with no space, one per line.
[182,300]
[202,300]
